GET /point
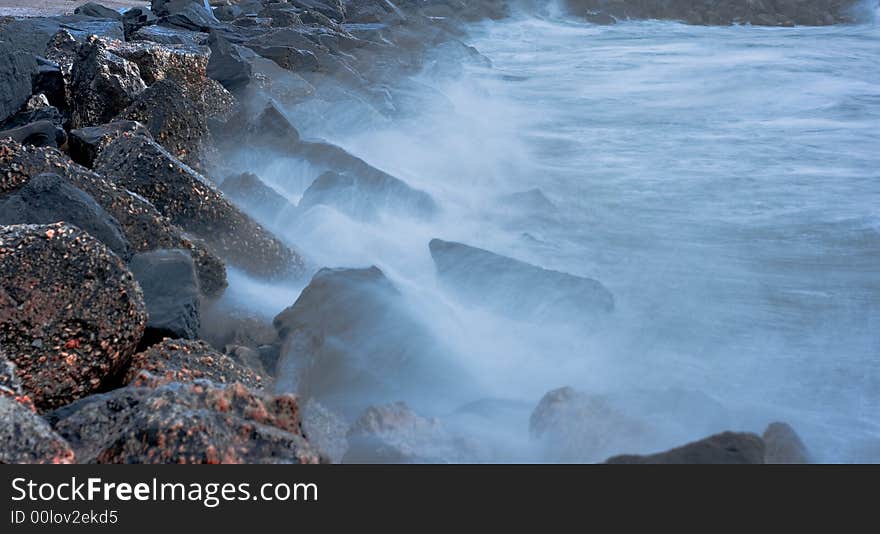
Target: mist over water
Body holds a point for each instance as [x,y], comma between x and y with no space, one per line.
[722,182]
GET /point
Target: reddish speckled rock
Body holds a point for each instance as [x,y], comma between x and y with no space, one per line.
[71,314]
[179,360]
[26,438]
[198,422]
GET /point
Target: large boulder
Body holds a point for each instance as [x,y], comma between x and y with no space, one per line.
[367,196]
[39,133]
[784,446]
[199,422]
[48,198]
[16,69]
[228,63]
[351,341]
[518,289]
[191,15]
[84,144]
[91,9]
[102,84]
[181,360]
[184,64]
[171,293]
[71,314]
[144,227]
[724,448]
[26,438]
[195,204]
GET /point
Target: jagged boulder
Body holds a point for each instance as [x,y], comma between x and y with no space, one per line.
[84,144]
[91,9]
[249,192]
[144,227]
[16,69]
[784,446]
[228,64]
[71,314]
[724,448]
[48,198]
[39,133]
[191,201]
[26,438]
[194,423]
[171,294]
[184,64]
[518,289]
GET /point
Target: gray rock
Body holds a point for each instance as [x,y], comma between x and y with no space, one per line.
[39,133]
[26,438]
[171,294]
[784,446]
[724,448]
[16,69]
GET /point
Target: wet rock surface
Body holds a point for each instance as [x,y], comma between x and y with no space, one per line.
[26,438]
[71,315]
[724,448]
[171,293]
[199,422]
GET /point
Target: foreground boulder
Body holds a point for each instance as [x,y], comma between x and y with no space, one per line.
[171,294]
[724,448]
[366,196]
[784,446]
[47,198]
[26,438]
[144,227]
[195,423]
[181,360]
[71,315]
[350,341]
[140,165]
[518,289]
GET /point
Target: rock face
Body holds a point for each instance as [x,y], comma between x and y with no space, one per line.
[26,438]
[784,446]
[517,289]
[180,360]
[86,143]
[144,227]
[249,192]
[227,64]
[39,133]
[192,202]
[171,293]
[719,12]
[350,342]
[197,422]
[16,68]
[724,448]
[71,315]
[366,196]
[47,198]
[103,84]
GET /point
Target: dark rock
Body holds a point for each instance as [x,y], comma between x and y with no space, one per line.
[71,315]
[724,448]
[227,64]
[191,15]
[195,423]
[40,133]
[86,143]
[48,80]
[184,64]
[136,18]
[191,201]
[144,227]
[26,438]
[366,196]
[516,288]
[169,36]
[227,13]
[91,9]
[784,446]
[179,360]
[249,192]
[171,294]
[48,198]
[27,116]
[102,84]
[16,69]
[350,341]
[31,35]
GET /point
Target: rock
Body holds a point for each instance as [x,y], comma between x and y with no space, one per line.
[47,198]
[31,115]
[724,448]
[366,196]
[325,430]
[16,69]
[26,438]
[136,18]
[144,227]
[271,129]
[187,198]
[180,360]
[184,64]
[195,423]
[350,341]
[573,427]
[171,294]
[10,385]
[518,289]
[86,143]
[169,36]
[102,84]
[32,34]
[394,434]
[227,64]
[91,9]
[784,446]
[533,200]
[191,15]
[249,192]
[71,315]
[39,133]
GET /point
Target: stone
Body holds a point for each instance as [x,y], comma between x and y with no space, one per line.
[39,133]
[724,448]
[784,446]
[26,438]
[171,294]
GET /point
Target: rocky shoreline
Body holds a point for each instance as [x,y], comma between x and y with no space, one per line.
[121,207]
